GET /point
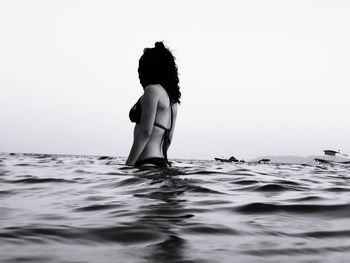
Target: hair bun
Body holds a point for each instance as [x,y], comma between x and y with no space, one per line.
[159,45]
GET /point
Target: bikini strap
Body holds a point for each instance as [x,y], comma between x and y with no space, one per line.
[171,124]
[159,126]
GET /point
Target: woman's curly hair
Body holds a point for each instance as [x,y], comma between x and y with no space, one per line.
[157,66]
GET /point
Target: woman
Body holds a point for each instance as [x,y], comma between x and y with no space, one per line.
[155,112]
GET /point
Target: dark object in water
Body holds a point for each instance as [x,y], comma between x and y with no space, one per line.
[322,160]
[103,158]
[329,161]
[229,160]
[331,152]
[264,161]
[41,155]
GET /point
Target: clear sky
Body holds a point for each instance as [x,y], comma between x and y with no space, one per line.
[257,77]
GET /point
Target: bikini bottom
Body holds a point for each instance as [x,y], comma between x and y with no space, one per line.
[157,161]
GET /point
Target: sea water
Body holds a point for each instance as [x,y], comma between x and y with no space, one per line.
[92,209]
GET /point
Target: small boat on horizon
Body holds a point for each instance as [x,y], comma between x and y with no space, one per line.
[330,157]
[265,161]
[232,159]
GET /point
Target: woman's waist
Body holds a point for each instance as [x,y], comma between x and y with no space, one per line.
[151,152]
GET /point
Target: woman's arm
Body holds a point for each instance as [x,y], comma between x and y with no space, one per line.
[149,104]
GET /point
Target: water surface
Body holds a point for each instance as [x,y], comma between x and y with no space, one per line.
[93,209]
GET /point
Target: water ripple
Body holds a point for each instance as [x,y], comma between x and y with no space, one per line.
[342,210]
[57,208]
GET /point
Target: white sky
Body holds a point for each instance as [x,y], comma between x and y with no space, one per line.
[257,77]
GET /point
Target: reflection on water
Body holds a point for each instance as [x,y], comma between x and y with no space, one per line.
[165,216]
[95,209]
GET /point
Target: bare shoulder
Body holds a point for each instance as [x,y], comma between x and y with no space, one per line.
[154,89]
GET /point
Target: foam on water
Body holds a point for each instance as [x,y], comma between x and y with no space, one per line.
[95,209]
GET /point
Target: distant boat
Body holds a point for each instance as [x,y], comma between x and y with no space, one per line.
[319,160]
[264,161]
[331,157]
[229,160]
[331,152]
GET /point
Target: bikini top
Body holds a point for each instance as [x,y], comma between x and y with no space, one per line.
[135,116]
[135,112]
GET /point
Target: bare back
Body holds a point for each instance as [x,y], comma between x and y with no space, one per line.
[161,103]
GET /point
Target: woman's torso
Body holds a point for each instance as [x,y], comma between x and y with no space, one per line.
[163,117]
